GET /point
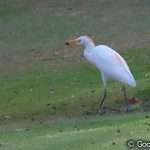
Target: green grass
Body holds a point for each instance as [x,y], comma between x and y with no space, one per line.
[97,132]
[33,91]
[41,78]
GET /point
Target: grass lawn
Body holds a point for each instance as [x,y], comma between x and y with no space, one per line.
[46,87]
[98,132]
[63,87]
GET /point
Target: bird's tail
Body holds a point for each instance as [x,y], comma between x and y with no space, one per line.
[128,79]
[131,81]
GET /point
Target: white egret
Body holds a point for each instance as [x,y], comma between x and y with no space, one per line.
[108,61]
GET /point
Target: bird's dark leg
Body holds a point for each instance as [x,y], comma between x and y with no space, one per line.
[103,99]
[125,97]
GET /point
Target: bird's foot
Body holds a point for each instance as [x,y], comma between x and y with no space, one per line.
[89,113]
[102,110]
[127,109]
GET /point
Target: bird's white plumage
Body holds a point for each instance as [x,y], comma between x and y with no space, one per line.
[112,65]
[108,61]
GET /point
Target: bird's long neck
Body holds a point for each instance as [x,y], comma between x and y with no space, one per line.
[89,46]
[88,51]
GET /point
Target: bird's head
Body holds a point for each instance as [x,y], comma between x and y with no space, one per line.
[83,40]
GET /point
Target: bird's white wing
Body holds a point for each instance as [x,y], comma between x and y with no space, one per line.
[112,64]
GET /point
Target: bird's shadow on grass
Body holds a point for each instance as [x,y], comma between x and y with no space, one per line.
[118,110]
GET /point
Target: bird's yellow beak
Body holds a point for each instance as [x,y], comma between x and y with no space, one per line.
[72,42]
